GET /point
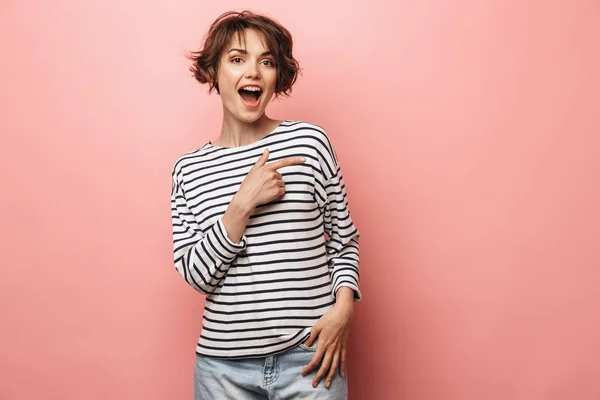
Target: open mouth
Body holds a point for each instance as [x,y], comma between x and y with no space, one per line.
[250,95]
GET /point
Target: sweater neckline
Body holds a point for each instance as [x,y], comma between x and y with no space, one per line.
[210,145]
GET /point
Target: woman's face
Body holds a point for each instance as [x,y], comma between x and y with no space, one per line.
[247,77]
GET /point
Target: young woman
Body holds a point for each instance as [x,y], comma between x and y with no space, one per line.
[262,227]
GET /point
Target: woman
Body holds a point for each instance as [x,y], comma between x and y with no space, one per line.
[262,227]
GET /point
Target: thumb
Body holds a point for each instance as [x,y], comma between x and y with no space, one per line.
[262,159]
[314,333]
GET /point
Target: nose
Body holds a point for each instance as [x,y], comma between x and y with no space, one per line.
[252,71]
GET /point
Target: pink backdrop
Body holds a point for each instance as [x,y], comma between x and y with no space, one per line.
[468,135]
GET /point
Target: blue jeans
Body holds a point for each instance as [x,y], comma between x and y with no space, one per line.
[275,377]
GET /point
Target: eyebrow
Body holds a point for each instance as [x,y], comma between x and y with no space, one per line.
[266,53]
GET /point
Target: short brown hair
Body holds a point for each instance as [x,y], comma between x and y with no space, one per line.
[277,38]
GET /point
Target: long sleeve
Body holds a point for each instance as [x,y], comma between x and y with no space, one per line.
[342,235]
[202,259]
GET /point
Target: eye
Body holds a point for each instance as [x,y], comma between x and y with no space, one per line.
[236,60]
[269,63]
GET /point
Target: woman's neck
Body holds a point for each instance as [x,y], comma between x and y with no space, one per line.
[235,133]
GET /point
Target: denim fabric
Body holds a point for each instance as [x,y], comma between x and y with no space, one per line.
[275,377]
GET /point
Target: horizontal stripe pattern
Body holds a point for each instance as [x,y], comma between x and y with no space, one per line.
[264,293]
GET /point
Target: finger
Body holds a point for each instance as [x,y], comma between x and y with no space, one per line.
[332,368]
[343,360]
[261,160]
[325,364]
[271,175]
[314,333]
[280,193]
[314,362]
[278,176]
[286,162]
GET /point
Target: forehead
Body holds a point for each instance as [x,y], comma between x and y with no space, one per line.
[250,40]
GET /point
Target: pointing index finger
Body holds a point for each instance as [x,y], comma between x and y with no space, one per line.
[286,162]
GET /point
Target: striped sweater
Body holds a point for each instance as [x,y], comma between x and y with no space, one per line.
[264,293]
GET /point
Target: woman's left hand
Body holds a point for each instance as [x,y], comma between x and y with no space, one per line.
[332,331]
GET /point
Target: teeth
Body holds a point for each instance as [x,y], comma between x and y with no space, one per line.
[251,89]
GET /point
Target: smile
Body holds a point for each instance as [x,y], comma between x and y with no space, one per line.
[250,95]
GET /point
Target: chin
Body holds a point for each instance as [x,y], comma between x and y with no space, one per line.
[250,116]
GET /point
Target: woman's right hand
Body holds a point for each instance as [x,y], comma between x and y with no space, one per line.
[263,183]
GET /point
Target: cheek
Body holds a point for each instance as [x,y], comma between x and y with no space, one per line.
[271,79]
[226,78]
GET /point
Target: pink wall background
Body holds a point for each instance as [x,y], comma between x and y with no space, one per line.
[468,134]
